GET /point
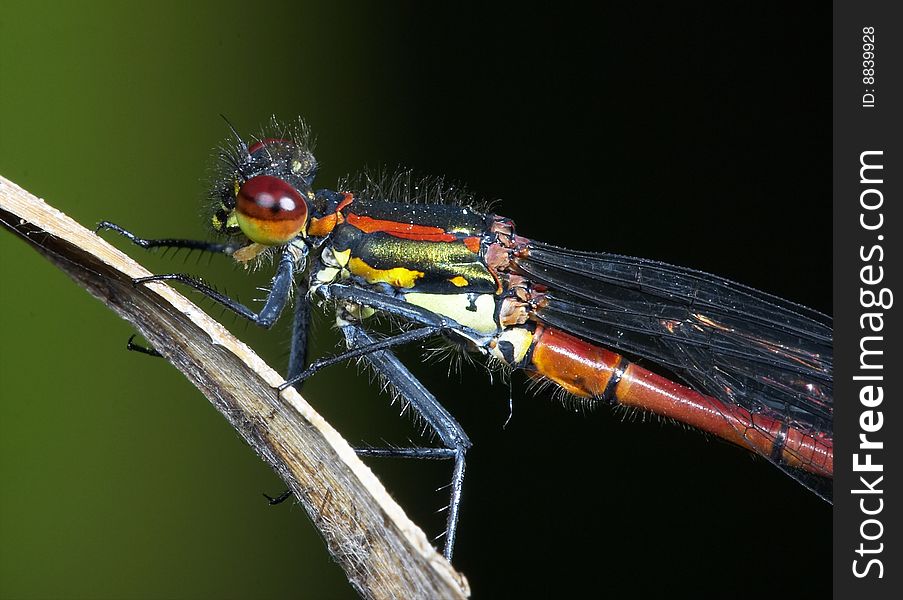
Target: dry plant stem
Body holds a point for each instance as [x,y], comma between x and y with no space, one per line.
[383,553]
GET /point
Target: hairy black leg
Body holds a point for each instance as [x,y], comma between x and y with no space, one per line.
[297,358]
[265,318]
[272,308]
[147,244]
[362,350]
[438,420]
[425,453]
[151,244]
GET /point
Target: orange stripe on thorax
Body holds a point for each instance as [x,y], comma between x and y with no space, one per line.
[473,244]
[323,226]
[408,231]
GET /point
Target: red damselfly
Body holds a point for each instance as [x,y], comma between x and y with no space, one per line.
[751,368]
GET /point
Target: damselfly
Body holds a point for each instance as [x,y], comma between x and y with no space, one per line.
[755,370]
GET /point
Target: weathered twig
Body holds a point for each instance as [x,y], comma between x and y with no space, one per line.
[383,553]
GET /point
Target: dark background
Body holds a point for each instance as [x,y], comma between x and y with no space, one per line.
[697,135]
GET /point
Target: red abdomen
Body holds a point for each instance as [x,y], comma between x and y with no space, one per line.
[590,371]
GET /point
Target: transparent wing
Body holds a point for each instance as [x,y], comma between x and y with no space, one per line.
[724,339]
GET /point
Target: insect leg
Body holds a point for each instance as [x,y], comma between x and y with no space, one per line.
[168,242]
[447,429]
[297,358]
[163,243]
[272,308]
[362,350]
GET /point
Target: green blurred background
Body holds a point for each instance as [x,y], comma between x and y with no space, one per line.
[119,480]
[663,134]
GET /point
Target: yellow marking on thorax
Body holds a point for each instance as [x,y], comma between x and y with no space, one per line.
[520,339]
[398,277]
[458,281]
[477,313]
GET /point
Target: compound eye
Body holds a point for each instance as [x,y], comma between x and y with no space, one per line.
[270,211]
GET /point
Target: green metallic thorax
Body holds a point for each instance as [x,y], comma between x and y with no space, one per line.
[440,246]
[429,255]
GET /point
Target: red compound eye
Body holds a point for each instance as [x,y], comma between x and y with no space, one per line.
[270,211]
